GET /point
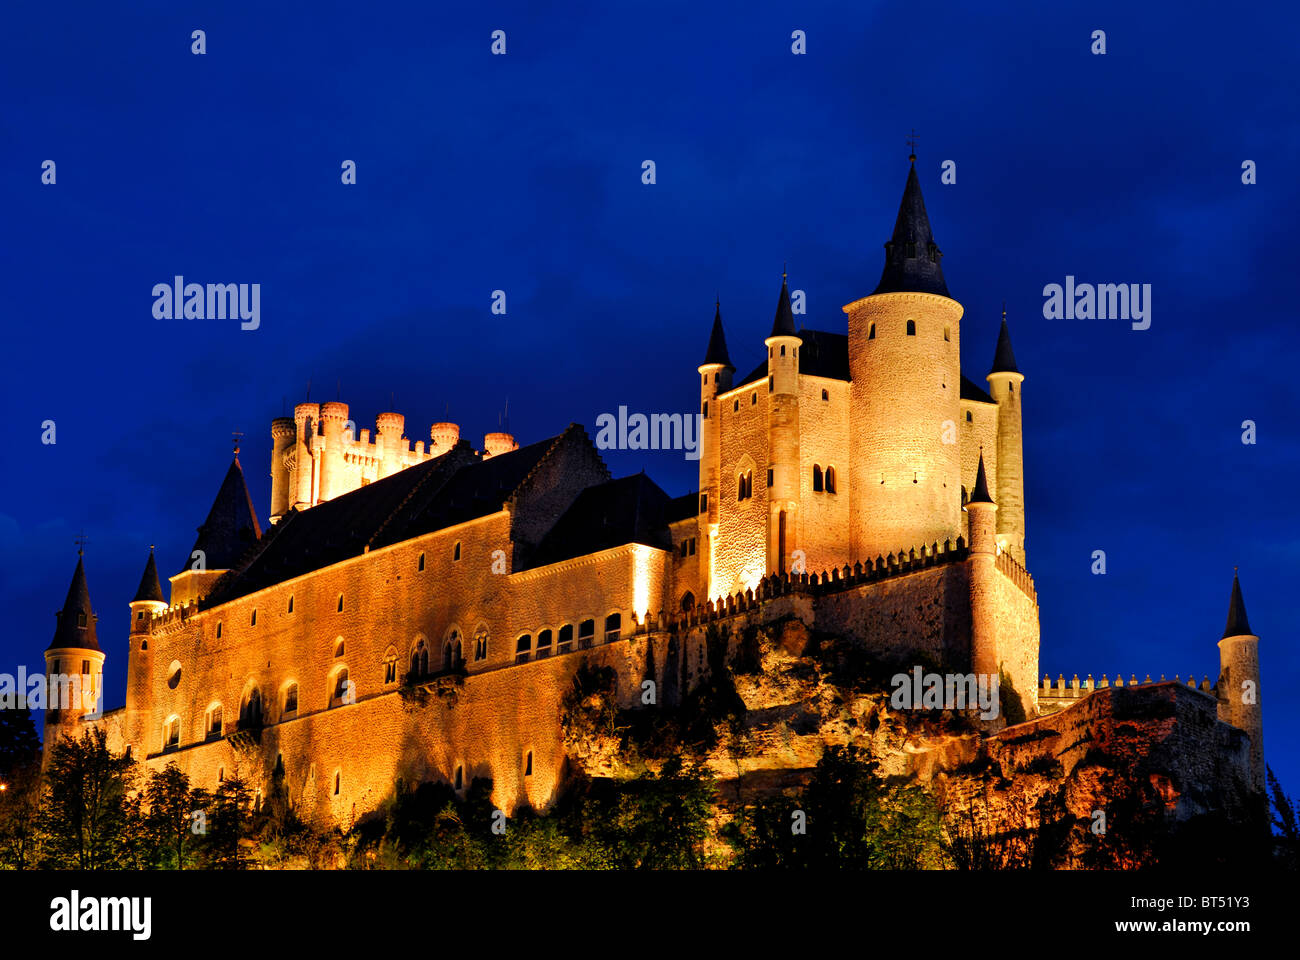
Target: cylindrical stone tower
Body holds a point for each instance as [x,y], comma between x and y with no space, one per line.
[783,439]
[305,418]
[333,416]
[715,378]
[283,432]
[1005,382]
[390,426]
[1238,686]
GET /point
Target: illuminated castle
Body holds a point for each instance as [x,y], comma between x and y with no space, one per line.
[859,485]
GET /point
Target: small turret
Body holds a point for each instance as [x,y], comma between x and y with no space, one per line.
[74,663]
[495,444]
[982,512]
[147,604]
[1005,383]
[783,434]
[283,432]
[390,428]
[443,436]
[1238,686]
[715,379]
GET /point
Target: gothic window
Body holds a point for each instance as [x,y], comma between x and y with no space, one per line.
[523,647]
[480,644]
[420,659]
[688,602]
[817,478]
[911,328]
[172,733]
[390,666]
[543,644]
[343,691]
[586,633]
[212,722]
[250,711]
[451,652]
[290,700]
[871,332]
[564,642]
[745,485]
[830,479]
[613,627]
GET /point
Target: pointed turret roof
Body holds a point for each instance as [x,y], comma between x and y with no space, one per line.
[912,259]
[231,527]
[1004,359]
[76,621]
[783,324]
[717,352]
[150,586]
[1238,625]
[981,492]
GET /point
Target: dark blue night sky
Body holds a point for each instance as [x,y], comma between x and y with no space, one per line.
[523,173]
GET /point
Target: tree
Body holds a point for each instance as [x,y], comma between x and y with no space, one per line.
[20,806]
[653,822]
[1286,840]
[19,744]
[229,824]
[171,819]
[85,810]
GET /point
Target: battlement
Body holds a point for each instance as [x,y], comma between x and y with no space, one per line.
[1061,694]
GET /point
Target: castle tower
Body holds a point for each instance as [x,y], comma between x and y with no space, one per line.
[74,664]
[715,378]
[442,437]
[139,659]
[304,473]
[390,427]
[983,512]
[1238,686]
[1005,381]
[904,360]
[783,435]
[495,444]
[229,530]
[283,433]
[333,418]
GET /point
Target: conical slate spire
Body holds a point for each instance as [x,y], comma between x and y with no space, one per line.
[1004,359]
[1238,625]
[76,621]
[150,586]
[231,526]
[783,324]
[717,352]
[981,493]
[912,259]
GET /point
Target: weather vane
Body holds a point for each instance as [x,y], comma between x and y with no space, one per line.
[911,145]
[81,542]
[235,435]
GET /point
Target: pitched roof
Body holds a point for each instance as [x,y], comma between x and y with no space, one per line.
[970,390]
[981,492]
[150,587]
[1004,358]
[912,259]
[823,354]
[446,490]
[685,507]
[717,352]
[231,527]
[1238,625]
[628,510]
[783,322]
[76,621]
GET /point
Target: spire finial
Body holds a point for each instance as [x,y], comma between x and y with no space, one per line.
[235,435]
[1004,311]
[81,542]
[911,146]
[783,266]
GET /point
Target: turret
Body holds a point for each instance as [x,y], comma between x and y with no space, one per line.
[304,474]
[982,512]
[283,433]
[1005,381]
[74,664]
[390,428]
[147,604]
[783,434]
[495,444]
[904,360]
[715,378]
[225,536]
[333,419]
[1238,686]
[443,436]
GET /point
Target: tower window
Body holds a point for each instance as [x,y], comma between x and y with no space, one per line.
[745,485]
[826,394]
[945,333]
[911,328]
[340,608]
[735,406]
[704,503]
[140,615]
[338,782]
[253,622]
[420,565]
[783,349]
[771,384]
[291,603]
[704,410]
[1011,387]
[455,553]
[81,619]
[771,476]
[753,399]
[218,629]
[817,478]
[830,479]
[871,332]
[528,764]
[969,418]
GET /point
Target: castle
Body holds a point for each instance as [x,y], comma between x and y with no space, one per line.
[859,485]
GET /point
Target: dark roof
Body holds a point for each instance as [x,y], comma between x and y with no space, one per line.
[1238,625]
[912,259]
[823,354]
[717,352]
[76,621]
[453,488]
[783,322]
[628,510]
[1004,359]
[970,390]
[231,527]
[685,507]
[981,491]
[150,587]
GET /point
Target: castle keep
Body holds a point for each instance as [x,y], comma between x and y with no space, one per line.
[419,612]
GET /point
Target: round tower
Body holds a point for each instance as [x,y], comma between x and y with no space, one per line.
[1238,687]
[333,415]
[305,418]
[904,359]
[983,512]
[495,444]
[715,378]
[283,431]
[390,427]
[74,664]
[444,436]
[1005,381]
[783,435]
[147,604]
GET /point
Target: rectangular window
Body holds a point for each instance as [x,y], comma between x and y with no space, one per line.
[770,474]
[586,633]
[528,764]
[704,503]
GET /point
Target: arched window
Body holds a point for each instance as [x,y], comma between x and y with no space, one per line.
[420,659]
[480,644]
[688,602]
[830,479]
[543,644]
[250,710]
[911,328]
[586,634]
[342,690]
[289,702]
[523,647]
[390,666]
[564,640]
[172,733]
[969,418]
[212,722]
[613,627]
[451,653]
[817,478]
[338,647]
